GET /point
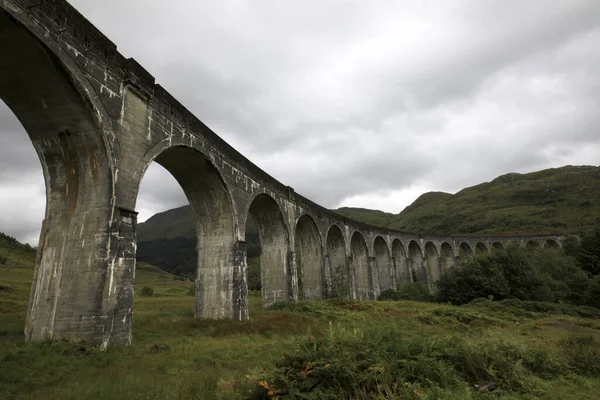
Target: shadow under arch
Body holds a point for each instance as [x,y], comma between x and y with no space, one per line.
[53,101]
[447,256]
[385,267]
[363,280]
[309,259]
[551,244]
[336,261]
[432,260]
[418,270]
[497,246]
[465,251]
[481,248]
[532,245]
[402,271]
[220,285]
[275,253]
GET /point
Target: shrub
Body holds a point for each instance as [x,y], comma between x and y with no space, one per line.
[592,294]
[588,253]
[529,309]
[415,291]
[147,291]
[389,294]
[561,274]
[3,260]
[380,363]
[582,354]
[544,275]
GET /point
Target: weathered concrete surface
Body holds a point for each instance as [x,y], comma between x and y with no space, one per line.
[98,120]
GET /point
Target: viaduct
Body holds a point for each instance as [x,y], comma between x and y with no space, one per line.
[97,120]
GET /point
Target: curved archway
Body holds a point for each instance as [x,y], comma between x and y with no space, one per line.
[465,251]
[51,98]
[447,256]
[217,273]
[497,246]
[385,268]
[551,244]
[434,266]
[337,262]
[400,263]
[309,259]
[360,267]
[274,249]
[532,245]
[418,270]
[481,248]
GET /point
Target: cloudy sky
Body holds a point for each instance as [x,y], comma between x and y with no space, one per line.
[354,103]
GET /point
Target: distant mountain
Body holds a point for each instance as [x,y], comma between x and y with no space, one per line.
[168,241]
[557,200]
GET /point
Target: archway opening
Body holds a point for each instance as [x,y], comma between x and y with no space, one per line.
[447,256]
[218,293]
[432,260]
[417,268]
[274,249]
[166,242]
[50,100]
[551,244]
[532,245]
[403,274]
[465,251]
[497,246]
[253,274]
[166,229]
[480,248]
[360,268]
[385,268]
[337,264]
[309,259]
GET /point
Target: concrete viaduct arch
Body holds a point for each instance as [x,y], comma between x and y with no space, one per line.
[97,120]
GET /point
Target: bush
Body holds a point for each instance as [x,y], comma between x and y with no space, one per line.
[588,253]
[3,260]
[546,275]
[592,294]
[500,275]
[408,291]
[147,291]
[379,363]
[565,279]
[529,309]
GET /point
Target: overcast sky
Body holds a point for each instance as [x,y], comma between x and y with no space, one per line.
[354,103]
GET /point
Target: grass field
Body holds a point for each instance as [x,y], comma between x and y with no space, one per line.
[432,350]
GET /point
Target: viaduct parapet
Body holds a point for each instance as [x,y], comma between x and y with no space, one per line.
[97,121]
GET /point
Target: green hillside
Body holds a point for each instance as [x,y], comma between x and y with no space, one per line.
[168,241]
[557,200]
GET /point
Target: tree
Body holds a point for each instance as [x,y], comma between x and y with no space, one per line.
[588,254]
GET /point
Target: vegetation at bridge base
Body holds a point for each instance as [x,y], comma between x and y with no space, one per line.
[408,291]
[551,275]
[306,350]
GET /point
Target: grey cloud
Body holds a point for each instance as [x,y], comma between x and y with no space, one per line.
[344,98]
